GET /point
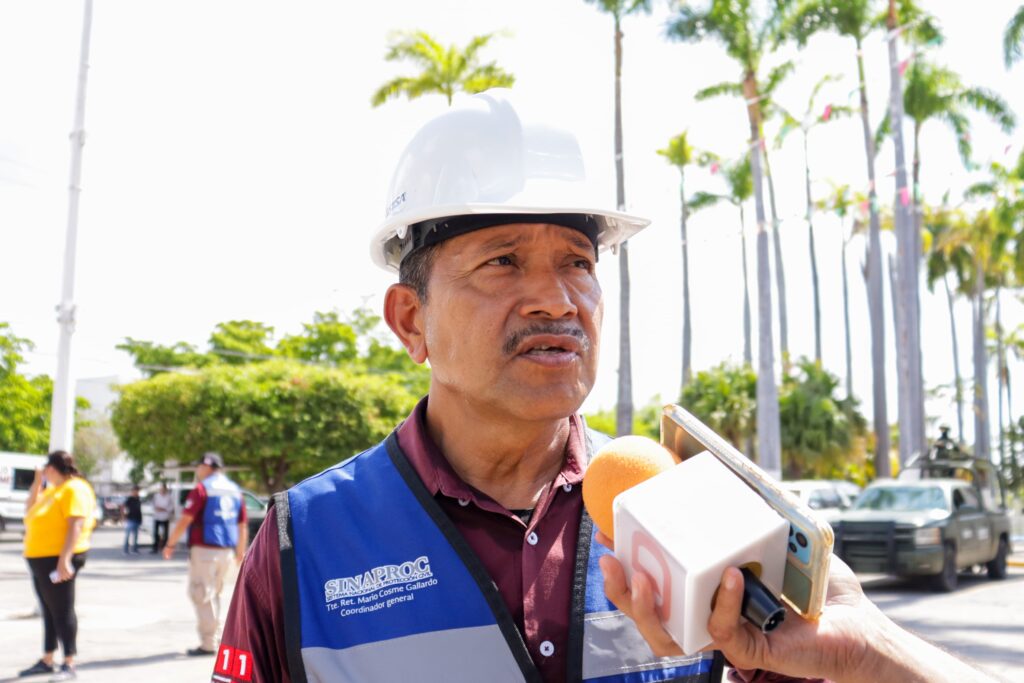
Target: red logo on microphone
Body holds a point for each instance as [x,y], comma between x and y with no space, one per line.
[663,582]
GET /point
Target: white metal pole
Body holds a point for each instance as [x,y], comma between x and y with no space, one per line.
[62,418]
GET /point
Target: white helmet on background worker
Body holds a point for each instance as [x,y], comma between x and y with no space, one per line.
[479,165]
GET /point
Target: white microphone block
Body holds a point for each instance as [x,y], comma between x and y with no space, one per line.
[683,527]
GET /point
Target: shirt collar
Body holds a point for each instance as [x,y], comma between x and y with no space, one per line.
[438,475]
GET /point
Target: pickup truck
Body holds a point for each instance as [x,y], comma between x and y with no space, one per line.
[945,513]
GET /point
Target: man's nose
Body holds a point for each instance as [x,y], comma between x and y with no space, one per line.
[547,295]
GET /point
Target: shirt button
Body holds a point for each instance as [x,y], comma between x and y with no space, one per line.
[547,648]
[567,487]
[463,502]
[532,540]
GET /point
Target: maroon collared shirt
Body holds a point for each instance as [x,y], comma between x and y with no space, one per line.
[531,564]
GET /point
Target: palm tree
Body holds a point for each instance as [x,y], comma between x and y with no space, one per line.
[746,37]
[805,123]
[741,187]
[840,203]
[1013,38]
[855,19]
[940,262]
[444,70]
[680,154]
[935,92]
[992,238]
[768,109]
[624,405]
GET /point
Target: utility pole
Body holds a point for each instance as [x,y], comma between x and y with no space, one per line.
[62,414]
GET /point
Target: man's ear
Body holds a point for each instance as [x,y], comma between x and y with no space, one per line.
[403,312]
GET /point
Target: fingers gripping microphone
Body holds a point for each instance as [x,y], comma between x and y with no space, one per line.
[683,524]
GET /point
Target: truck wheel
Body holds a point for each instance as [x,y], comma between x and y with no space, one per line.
[945,581]
[997,567]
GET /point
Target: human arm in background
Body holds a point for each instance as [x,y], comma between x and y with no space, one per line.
[179,529]
[851,641]
[64,569]
[243,540]
[33,492]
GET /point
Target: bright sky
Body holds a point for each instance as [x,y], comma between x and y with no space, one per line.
[234,169]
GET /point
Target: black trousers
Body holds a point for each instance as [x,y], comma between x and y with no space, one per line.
[57,603]
[159,540]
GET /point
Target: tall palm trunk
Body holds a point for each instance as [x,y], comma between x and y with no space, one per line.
[902,404]
[768,436]
[686,285]
[959,383]
[846,324]
[748,358]
[814,256]
[981,436]
[1000,376]
[874,277]
[624,405]
[905,292]
[780,273]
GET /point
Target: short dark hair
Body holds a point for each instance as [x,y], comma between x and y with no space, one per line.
[415,269]
[63,463]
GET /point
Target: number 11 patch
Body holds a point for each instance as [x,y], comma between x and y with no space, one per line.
[233,662]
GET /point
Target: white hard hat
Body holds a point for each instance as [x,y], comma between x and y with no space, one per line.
[480,162]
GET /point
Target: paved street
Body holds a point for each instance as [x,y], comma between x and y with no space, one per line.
[135,620]
[982,620]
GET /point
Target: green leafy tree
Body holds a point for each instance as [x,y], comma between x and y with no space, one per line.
[152,358]
[240,341]
[24,402]
[327,340]
[724,398]
[444,71]
[746,34]
[818,428]
[646,420]
[283,420]
[619,9]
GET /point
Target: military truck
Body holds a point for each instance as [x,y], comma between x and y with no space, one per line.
[945,513]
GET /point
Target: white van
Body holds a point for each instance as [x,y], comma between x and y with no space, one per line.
[17,470]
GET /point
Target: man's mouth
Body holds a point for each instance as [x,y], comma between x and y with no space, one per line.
[549,345]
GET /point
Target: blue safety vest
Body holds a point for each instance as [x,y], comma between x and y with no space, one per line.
[378,585]
[221,511]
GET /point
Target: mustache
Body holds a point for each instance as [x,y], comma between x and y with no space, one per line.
[516,338]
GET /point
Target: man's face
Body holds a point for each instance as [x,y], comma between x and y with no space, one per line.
[512,320]
[203,471]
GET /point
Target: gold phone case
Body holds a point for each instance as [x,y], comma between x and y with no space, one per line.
[810,539]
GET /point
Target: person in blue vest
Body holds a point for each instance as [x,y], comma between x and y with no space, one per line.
[218,533]
[458,549]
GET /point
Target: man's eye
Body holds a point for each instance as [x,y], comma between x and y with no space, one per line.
[583,263]
[505,260]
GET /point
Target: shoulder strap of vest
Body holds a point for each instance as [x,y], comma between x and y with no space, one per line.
[290,587]
[513,637]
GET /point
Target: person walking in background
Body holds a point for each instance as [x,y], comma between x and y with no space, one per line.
[58,523]
[218,537]
[163,506]
[132,521]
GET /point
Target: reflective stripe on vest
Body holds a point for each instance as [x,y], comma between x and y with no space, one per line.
[379,585]
[221,511]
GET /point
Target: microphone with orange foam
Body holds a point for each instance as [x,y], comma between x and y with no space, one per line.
[629,461]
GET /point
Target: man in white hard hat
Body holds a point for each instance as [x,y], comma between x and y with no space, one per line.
[458,549]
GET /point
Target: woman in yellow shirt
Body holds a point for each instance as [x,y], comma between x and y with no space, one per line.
[58,522]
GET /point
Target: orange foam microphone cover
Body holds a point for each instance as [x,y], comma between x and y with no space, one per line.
[621,464]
